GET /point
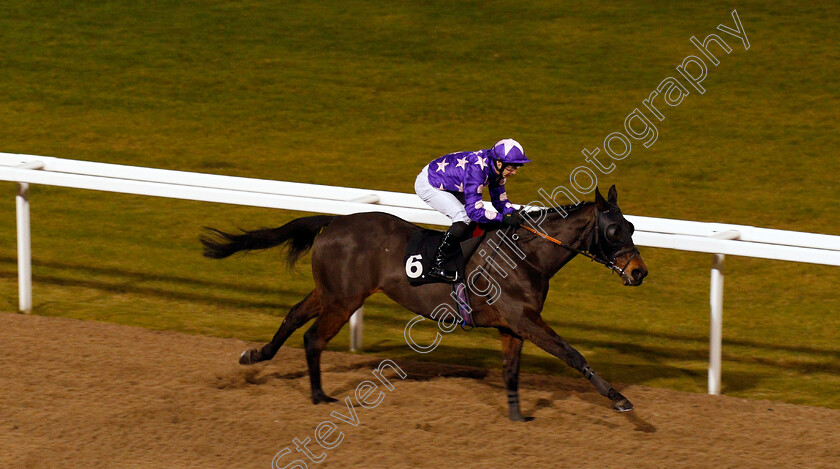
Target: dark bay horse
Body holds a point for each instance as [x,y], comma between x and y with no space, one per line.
[354,256]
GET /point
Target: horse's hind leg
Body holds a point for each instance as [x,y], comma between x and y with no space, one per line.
[329,322]
[299,315]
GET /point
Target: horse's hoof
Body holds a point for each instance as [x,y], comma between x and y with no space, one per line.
[623,405]
[520,418]
[247,357]
[321,398]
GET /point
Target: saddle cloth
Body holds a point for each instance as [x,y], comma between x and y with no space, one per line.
[420,255]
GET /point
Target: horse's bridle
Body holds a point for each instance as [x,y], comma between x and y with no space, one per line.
[599,256]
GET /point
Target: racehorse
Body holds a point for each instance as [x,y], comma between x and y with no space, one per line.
[354,256]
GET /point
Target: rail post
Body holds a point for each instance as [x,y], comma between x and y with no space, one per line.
[356,330]
[716,324]
[716,314]
[24,246]
[24,242]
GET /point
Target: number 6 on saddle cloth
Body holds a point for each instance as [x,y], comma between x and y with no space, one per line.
[419,257]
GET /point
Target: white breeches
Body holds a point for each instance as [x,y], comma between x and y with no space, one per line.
[442,201]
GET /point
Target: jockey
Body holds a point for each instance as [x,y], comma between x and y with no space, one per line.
[453,185]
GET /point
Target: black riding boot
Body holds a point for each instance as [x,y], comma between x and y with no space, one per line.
[449,247]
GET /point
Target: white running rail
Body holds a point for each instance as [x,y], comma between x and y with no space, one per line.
[714,238]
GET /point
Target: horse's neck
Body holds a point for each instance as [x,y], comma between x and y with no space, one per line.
[572,230]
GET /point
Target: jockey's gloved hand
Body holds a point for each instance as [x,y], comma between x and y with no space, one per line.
[513,219]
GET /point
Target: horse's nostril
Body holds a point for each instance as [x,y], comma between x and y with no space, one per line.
[639,274]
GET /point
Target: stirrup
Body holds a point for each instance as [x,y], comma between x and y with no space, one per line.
[441,274]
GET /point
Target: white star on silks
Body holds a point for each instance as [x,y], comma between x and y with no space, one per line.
[460,187]
[441,187]
[481,162]
[442,166]
[462,163]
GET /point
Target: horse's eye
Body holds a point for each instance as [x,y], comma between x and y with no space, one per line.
[613,233]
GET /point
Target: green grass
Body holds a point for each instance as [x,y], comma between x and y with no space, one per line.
[364,95]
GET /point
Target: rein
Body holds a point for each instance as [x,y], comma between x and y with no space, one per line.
[608,264]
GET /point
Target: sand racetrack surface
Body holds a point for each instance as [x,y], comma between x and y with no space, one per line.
[87,394]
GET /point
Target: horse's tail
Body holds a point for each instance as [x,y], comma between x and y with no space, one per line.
[298,235]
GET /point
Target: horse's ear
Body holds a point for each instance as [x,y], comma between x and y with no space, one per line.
[600,202]
[612,196]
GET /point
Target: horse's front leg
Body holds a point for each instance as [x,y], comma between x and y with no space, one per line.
[511,357]
[532,327]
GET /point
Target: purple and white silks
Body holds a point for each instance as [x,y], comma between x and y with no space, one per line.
[469,173]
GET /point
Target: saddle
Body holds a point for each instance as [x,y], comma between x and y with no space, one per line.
[420,254]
